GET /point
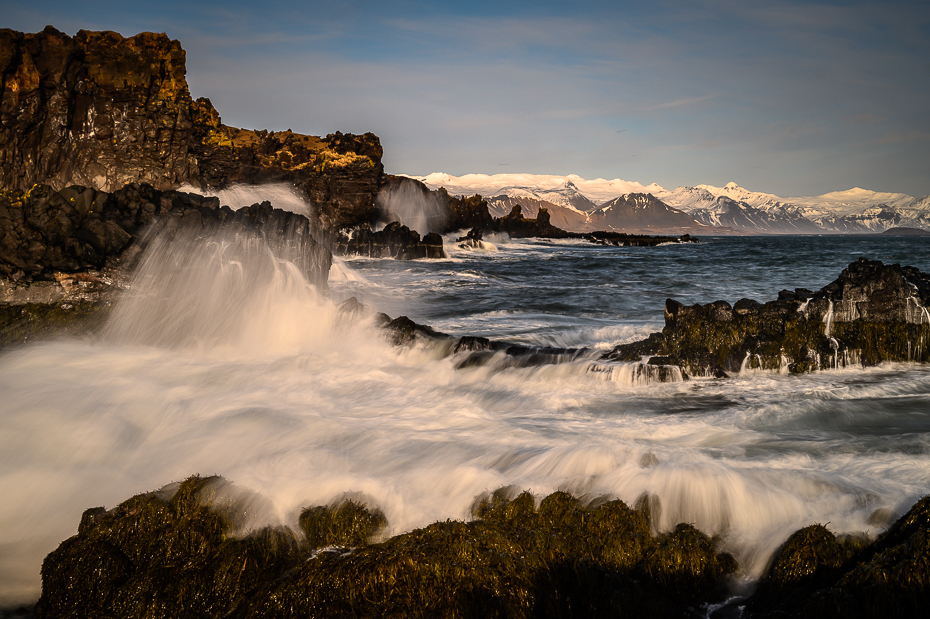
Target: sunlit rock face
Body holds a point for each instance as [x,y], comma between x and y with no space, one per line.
[871,313]
[100,110]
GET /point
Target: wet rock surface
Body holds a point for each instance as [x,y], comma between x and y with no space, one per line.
[47,234]
[65,255]
[393,241]
[871,313]
[181,552]
[187,551]
[818,574]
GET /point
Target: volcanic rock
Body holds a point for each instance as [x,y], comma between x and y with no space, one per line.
[101,111]
[394,241]
[871,313]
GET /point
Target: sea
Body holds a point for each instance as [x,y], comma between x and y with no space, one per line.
[241,368]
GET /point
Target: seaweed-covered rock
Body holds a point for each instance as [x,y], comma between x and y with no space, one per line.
[871,313]
[815,574]
[164,554]
[178,553]
[347,523]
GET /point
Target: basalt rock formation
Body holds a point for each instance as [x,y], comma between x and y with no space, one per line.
[518,226]
[101,111]
[870,314]
[47,234]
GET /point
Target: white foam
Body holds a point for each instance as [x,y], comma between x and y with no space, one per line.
[281,195]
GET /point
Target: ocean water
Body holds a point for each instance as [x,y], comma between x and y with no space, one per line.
[240,368]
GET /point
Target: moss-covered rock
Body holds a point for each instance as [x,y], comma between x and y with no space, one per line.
[815,574]
[32,322]
[872,313]
[176,553]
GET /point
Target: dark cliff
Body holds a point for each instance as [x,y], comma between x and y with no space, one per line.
[101,111]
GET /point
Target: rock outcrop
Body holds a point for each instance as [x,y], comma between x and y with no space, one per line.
[394,241]
[183,552]
[818,574]
[101,111]
[870,314]
[47,234]
[64,255]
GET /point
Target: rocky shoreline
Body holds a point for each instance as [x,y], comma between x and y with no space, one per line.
[186,551]
[90,156]
[870,314]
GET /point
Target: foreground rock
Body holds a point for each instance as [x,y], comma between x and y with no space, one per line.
[185,551]
[176,553]
[817,574]
[872,313]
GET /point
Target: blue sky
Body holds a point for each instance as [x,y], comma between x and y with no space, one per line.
[792,98]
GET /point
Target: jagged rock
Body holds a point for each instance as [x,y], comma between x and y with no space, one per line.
[518,226]
[394,241]
[870,314]
[465,213]
[64,255]
[45,234]
[101,111]
[404,331]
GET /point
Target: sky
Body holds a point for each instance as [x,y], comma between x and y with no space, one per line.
[789,97]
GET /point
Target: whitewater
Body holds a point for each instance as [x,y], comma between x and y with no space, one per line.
[224,360]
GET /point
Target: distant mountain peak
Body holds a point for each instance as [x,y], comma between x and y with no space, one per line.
[732,206]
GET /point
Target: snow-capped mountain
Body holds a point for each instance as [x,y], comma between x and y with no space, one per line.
[731,207]
[640,211]
[565,217]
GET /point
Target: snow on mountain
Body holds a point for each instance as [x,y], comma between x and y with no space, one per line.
[737,193]
[757,213]
[564,217]
[853,210]
[853,201]
[598,190]
[641,212]
[568,196]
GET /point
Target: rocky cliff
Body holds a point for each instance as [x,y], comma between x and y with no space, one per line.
[65,254]
[871,313]
[101,111]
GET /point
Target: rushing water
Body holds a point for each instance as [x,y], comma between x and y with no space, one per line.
[250,373]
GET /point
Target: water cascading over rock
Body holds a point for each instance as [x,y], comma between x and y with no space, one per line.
[871,313]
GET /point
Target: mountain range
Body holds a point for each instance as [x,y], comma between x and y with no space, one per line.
[583,205]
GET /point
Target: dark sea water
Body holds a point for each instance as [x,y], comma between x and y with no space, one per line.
[287,400]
